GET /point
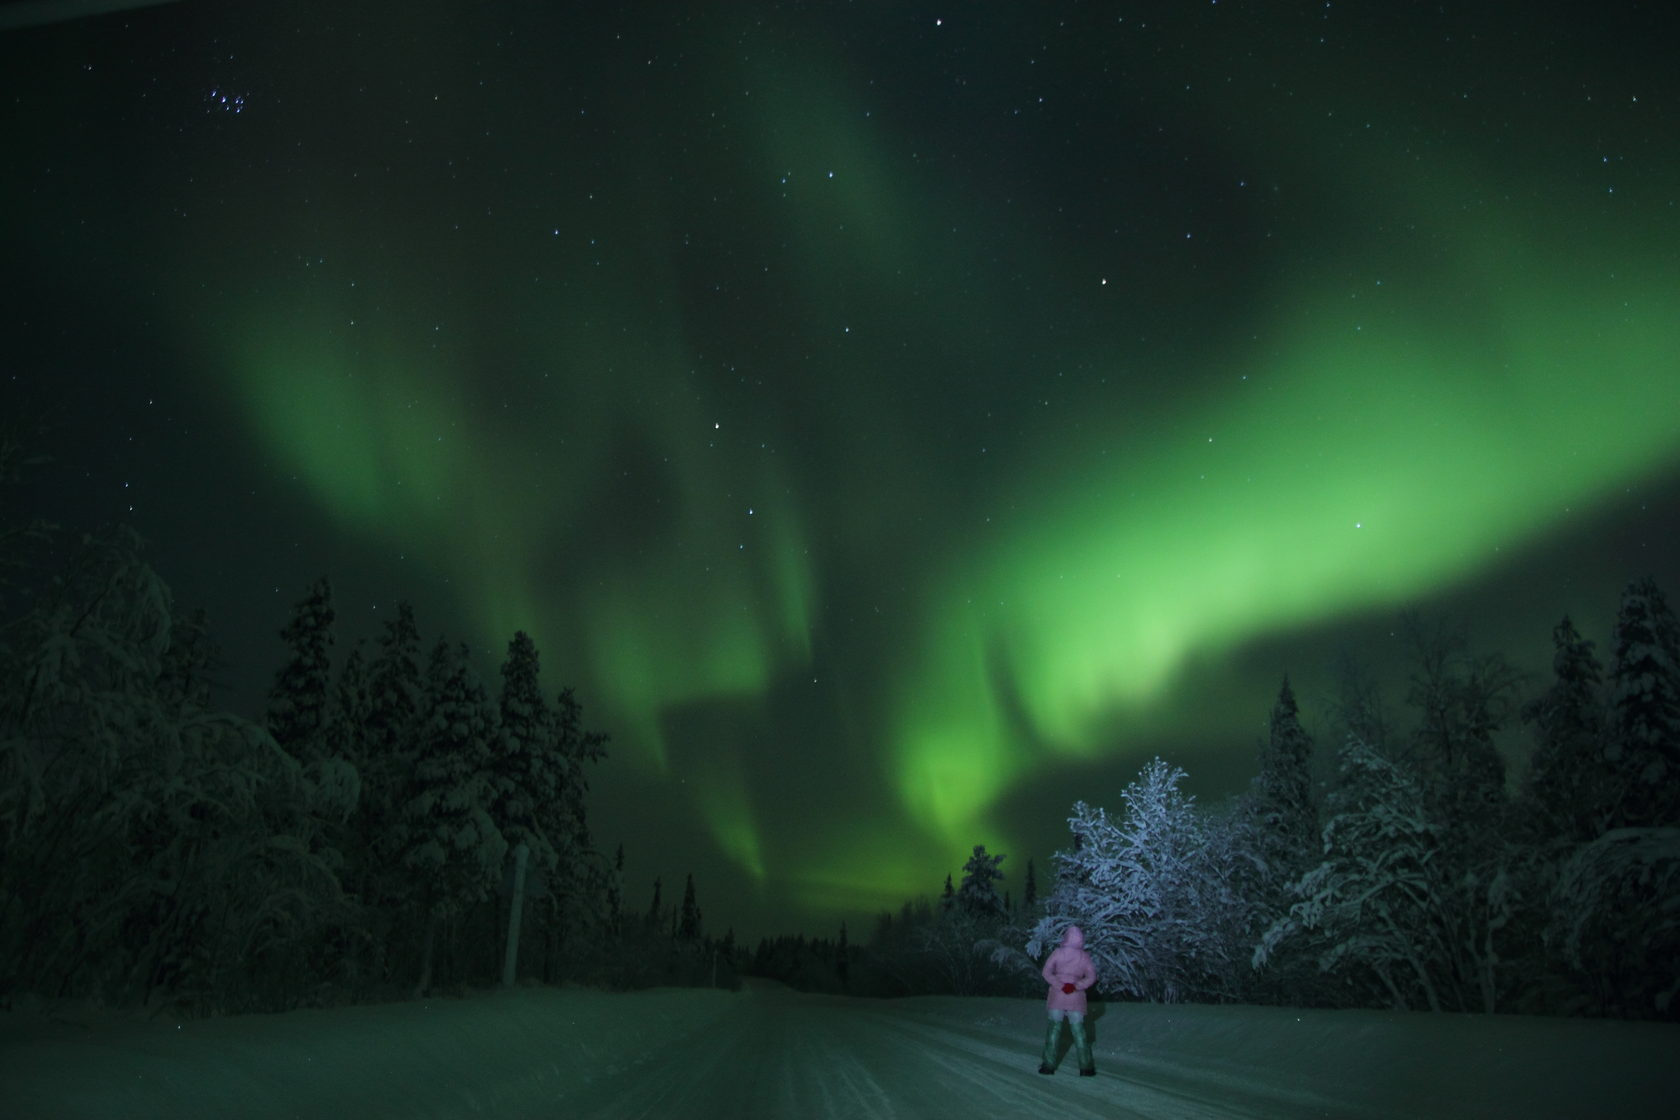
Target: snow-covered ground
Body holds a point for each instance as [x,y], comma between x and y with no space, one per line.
[771,1052]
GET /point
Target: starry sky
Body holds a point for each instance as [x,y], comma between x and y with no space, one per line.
[897,420]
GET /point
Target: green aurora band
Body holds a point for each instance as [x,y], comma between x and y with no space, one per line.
[1369,463]
[1403,419]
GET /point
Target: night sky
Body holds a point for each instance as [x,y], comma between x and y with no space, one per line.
[896,420]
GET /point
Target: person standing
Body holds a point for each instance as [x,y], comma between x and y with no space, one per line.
[1069,971]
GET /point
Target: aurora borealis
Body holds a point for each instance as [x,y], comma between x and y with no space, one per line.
[896,422]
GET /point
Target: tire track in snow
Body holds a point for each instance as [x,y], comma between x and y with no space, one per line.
[775,1054]
[780,1053]
[1149,1087]
[1009,1082]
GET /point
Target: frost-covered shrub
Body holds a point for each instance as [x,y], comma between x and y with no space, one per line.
[1151,892]
[1616,920]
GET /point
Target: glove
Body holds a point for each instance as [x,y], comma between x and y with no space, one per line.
[1068,988]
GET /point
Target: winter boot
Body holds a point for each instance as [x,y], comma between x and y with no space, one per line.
[1051,1037]
[1082,1047]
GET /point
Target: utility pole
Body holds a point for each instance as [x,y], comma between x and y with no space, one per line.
[516,910]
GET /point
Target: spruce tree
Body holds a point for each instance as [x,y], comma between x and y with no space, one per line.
[688,926]
[615,894]
[653,911]
[1644,746]
[578,747]
[978,894]
[394,693]
[1567,790]
[1274,832]
[1285,814]
[450,842]
[564,816]
[389,748]
[347,715]
[530,770]
[300,711]
[298,701]
[1373,907]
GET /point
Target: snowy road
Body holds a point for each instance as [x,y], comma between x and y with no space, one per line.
[770,1052]
[785,1054]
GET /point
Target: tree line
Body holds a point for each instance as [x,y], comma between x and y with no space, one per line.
[353,844]
[1418,876]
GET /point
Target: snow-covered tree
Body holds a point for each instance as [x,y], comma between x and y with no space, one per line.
[978,893]
[356,950]
[1616,921]
[1271,835]
[1284,810]
[1644,745]
[1372,905]
[395,693]
[150,844]
[522,758]
[376,721]
[298,702]
[79,713]
[579,747]
[1461,700]
[184,675]
[581,882]
[390,734]
[350,708]
[1568,787]
[535,799]
[448,839]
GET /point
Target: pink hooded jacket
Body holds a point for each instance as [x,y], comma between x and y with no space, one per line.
[1069,964]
